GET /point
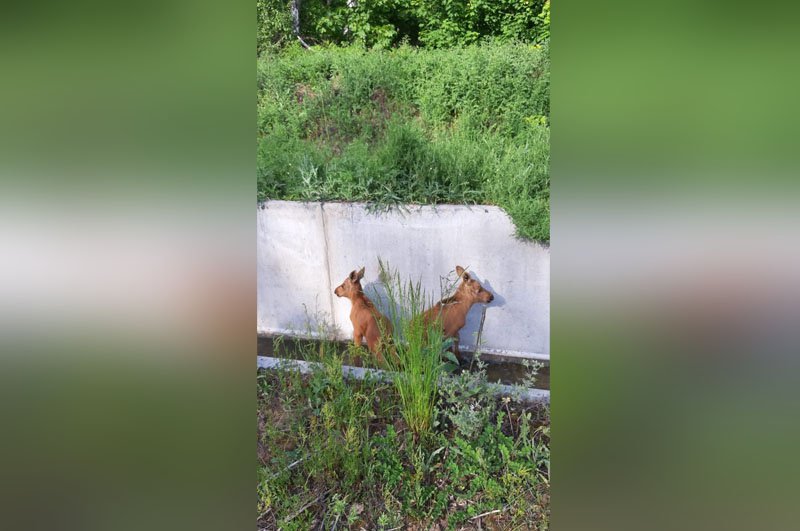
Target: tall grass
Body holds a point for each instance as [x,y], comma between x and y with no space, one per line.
[460,125]
[418,362]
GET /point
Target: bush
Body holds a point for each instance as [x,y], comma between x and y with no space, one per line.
[463,125]
[273,24]
[388,23]
[458,22]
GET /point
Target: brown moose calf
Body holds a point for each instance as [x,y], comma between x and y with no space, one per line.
[368,322]
[452,311]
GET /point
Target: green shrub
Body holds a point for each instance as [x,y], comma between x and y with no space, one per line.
[543,23]
[387,23]
[458,22]
[273,24]
[465,404]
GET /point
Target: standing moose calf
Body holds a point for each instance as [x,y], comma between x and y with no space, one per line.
[451,312]
[367,321]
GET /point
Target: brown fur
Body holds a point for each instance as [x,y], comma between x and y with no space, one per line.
[368,322]
[452,311]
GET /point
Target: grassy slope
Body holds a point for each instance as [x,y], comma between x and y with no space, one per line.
[461,125]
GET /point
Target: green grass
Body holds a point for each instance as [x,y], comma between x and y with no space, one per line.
[459,125]
[418,363]
[336,453]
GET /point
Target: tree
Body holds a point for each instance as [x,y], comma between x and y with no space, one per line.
[296,17]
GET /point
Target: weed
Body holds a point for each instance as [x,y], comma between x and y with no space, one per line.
[466,404]
[533,367]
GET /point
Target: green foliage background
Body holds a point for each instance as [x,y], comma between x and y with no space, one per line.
[386,23]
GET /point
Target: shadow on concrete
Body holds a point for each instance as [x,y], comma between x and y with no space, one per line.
[377,293]
[469,333]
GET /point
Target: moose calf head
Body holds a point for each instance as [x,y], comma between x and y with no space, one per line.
[470,289]
[351,285]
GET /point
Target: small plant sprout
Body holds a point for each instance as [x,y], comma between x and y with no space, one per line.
[533,367]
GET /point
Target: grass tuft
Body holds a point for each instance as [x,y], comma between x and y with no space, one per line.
[418,363]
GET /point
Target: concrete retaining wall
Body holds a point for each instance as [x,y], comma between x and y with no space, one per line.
[305,250]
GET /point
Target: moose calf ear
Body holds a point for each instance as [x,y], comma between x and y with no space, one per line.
[353,275]
[459,270]
[361,273]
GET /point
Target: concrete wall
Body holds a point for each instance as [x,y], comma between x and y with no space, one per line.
[305,250]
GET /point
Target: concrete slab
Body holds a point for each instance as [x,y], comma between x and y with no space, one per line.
[292,274]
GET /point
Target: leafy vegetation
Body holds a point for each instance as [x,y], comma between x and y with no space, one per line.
[333,453]
[468,124]
[387,23]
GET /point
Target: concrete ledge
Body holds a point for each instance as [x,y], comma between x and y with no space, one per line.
[523,394]
[305,250]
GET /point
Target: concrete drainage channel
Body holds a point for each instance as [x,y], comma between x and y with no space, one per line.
[532,396]
[305,249]
[499,369]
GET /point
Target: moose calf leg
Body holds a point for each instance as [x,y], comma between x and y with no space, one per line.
[357,339]
[375,346]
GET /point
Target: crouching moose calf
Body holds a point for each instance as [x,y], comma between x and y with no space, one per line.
[368,322]
[451,312]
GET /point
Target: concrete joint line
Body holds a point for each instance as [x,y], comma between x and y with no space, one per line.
[327,263]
